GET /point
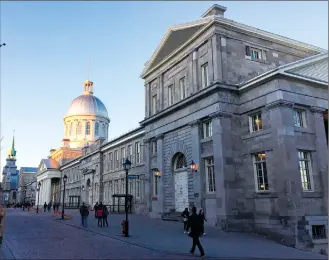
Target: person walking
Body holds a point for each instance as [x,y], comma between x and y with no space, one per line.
[57,206]
[195,224]
[84,212]
[105,214]
[99,213]
[185,216]
[49,206]
[54,206]
[95,209]
[45,207]
[203,219]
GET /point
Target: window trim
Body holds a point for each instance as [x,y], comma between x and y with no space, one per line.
[116,155]
[256,173]
[137,152]
[204,129]
[154,104]
[154,147]
[170,95]
[303,117]
[204,80]
[182,88]
[310,166]
[123,155]
[206,166]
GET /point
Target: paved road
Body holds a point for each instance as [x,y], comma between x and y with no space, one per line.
[34,236]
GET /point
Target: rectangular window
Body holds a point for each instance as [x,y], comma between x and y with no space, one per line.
[305,169]
[260,171]
[204,76]
[116,156]
[210,175]
[207,129]
[130,153]
[154,104]
[116,186]
[130,187]
[155,184]
[111,161]
[154,147]
[248,51]
[137,189]
[256,54]
[182,88]
[138,152]
[110,192]
[319,232]
[123,156]
[299,118]
[170,95]
[255,123]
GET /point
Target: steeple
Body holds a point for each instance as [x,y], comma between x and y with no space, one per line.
[12,151]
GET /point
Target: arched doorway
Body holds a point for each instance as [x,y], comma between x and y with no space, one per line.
[180,182]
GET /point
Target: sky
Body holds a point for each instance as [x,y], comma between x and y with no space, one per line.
[50,44]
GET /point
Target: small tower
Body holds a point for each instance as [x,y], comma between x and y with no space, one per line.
[88,87]
[12,151]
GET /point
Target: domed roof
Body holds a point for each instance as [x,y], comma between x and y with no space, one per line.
[87,104]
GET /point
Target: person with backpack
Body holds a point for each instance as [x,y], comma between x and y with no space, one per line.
[84,212]
[105,214]
[45,207]
[99,214]
[195,224]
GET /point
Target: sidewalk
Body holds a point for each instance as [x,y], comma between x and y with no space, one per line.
[167,236]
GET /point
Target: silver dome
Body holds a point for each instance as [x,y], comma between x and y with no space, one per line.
[87,105]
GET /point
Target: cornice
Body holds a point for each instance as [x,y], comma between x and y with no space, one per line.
[195,123]
[221,114]
[318,110]
[279,103]
[160,136]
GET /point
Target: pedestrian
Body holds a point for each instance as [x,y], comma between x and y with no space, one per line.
[54,206]
[57,206]
[49,206]
[203,219]
[84,212]
[99,213]
[95,209]
[195,224]
[45,207]
[185,216]
[105,214]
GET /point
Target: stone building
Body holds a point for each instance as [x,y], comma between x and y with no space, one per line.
[86,120]
[25,176]
[249,109]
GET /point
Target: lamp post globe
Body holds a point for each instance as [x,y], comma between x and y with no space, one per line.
[64,182]
[126,165]
[38,189]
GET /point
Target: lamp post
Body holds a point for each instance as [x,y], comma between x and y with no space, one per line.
[38,189]
[64,181]
[126,166]
[194,167]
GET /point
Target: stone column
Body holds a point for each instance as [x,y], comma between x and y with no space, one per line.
[223,54]
[160,165]
[321,151]
[222,153]
[148,177]
[196,157]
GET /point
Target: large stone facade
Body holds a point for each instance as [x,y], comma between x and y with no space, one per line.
[247,107]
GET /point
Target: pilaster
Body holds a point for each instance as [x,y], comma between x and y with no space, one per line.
[196,157]
[195,78]
[160,165]
[321,150]
[148,177]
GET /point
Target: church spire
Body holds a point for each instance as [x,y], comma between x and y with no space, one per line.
[12,151]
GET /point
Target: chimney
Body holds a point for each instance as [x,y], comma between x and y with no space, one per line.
[215,10]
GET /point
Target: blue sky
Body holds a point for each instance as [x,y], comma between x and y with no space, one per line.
[49,45]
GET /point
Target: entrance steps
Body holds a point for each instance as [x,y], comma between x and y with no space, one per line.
[172,216]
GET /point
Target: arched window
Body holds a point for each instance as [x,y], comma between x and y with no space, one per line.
[180,162]
[104,130]
[96,129]
[71,128]
[87,128]
[79,128]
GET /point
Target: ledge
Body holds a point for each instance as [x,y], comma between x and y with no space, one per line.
[256,134]
[263,195]
[303,130]
[205,140]
[312,194]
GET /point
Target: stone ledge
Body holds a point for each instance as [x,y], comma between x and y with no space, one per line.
[312,194]
[263,195]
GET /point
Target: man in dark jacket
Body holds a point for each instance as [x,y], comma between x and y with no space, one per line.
[84,212]
[95,209]
[195,224]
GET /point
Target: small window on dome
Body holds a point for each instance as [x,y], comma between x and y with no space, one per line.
[79,128]
[87,128]
[104,130]
[96,129]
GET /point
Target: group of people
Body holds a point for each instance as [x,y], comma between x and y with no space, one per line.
[48,206]
[101,214]
[195,223]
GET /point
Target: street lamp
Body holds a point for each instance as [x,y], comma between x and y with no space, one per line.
[194,166]
[64,181]
[38,189]
[126,167]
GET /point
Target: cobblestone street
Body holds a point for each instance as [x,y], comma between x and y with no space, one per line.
[32,236]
